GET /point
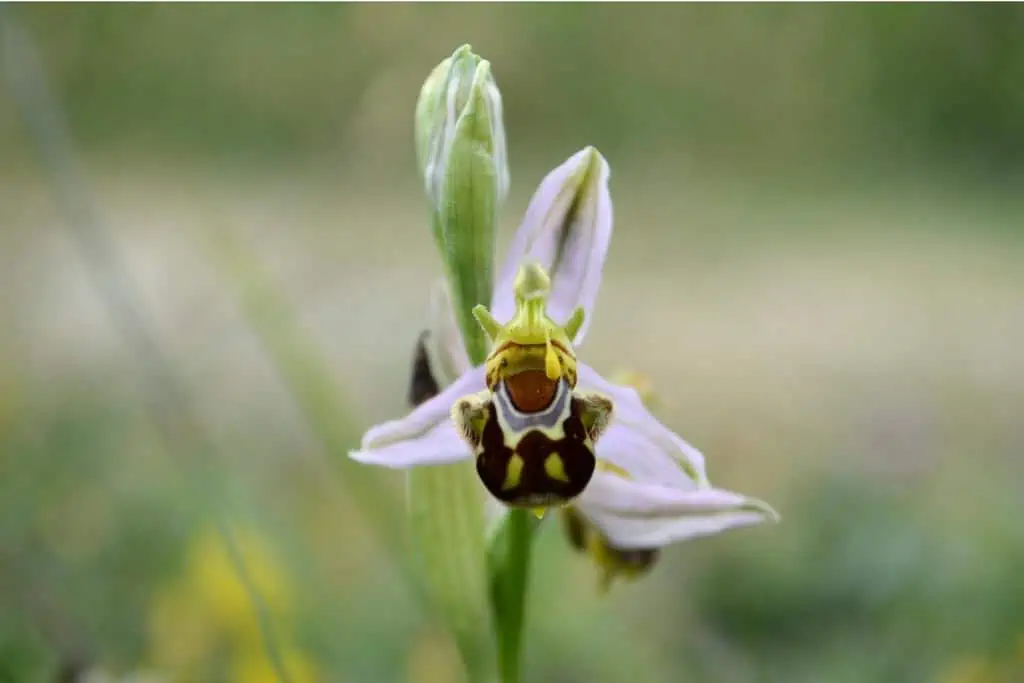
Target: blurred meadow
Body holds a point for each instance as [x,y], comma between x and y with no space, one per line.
[818,261]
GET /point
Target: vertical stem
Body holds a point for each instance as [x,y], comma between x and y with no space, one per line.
[468,286]
[514,580]
[463,221]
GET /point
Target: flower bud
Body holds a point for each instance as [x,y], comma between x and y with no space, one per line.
[612,562]
[460,145]
[460,99]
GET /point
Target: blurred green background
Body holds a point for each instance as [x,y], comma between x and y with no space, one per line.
[818,258]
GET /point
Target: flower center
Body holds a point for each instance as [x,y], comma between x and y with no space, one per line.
[531,391]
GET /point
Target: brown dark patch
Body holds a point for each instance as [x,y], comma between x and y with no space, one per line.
[531,391]
[535,487]
[422,386]
[636,561]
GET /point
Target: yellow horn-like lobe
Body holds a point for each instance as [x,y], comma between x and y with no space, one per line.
[552,368]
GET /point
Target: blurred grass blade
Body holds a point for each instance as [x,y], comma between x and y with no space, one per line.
[444,501]
[168,402]
[308,377]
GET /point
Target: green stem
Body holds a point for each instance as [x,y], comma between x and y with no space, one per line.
[469,285]
[513,584]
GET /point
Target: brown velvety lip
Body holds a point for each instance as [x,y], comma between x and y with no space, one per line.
[531,391]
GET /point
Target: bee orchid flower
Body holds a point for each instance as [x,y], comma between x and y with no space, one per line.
[649,487]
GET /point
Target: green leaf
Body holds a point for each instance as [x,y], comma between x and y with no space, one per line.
[445,504]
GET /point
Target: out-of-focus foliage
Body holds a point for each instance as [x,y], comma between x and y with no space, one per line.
[848,350]
[873,588]
[758,87]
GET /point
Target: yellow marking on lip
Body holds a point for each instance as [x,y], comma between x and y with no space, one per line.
[513,472]
[555,468]
[526,347]
[552,366]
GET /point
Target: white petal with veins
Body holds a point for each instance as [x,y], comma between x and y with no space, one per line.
[630,412]
[447,352]
[611,493]
[576,216]
[629,534]
[439,446]
[633,451]
[425,417]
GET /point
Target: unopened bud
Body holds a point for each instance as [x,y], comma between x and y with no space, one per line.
[460,146]
[460,101]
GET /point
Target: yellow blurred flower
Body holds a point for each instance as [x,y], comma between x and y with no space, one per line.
[215,582]
[970,669]
[207,615]
[253,666]
[181,636]
[434,658]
